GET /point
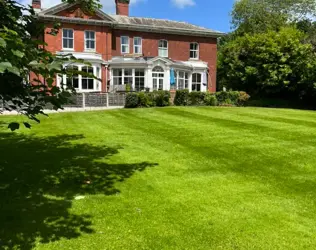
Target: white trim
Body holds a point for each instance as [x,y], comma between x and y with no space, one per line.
[141,45]
[85,39]
[73,39]
[128,45]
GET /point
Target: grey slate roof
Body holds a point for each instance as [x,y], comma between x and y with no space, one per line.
[153,22]
[132,23]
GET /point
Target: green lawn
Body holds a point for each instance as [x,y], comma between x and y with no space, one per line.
[171,178]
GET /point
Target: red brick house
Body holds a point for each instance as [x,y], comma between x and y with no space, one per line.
[148,54]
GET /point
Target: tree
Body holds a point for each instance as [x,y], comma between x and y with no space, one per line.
[271,63]
[255,16]
[22,51]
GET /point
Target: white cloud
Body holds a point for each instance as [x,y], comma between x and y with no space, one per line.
[183,3]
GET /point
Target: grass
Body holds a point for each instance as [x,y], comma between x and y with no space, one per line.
[171,178]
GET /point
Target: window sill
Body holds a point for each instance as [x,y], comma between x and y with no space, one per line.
[89,50]
[194,59]
[66,49]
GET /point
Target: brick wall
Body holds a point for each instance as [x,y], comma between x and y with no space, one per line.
[103,39]
[178,48]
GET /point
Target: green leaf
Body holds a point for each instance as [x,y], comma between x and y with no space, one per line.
[4,66]
[14,126]
[14,70]
[27,125]
[2,43]
[18,53]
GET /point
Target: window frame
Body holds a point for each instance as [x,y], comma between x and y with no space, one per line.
[163,48]
[140,46]
[73,39]
[197,51]
[85,40]
[128,44]
[196,82]
[184,76]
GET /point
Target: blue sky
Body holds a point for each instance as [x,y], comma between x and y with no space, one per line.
[213,14]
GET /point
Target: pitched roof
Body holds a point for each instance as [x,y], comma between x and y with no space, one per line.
[132,23]
[162,24]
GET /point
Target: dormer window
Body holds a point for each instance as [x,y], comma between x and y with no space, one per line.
[68,39]
[163,48]
[89,37]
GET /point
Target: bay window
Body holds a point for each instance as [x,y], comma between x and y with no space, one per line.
[82,83]
[163,48]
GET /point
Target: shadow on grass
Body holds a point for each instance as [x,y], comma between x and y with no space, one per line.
[39,177]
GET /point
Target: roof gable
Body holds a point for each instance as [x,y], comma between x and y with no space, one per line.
[75,11]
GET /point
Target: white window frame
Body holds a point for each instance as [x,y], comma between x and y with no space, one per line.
[196,82]
[97,85]
[140,46]
[73,40]
[132,77]
[163,48]
[197,50]
[85,39]
[127,52]
[184,78]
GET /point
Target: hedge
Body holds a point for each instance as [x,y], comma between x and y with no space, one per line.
[158,98]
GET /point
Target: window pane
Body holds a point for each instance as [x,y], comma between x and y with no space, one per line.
[117,72]
[160,83]
[128,72]
[84,83]
[70,44]
[137,50]
[124,40]
[75,83]
[139,72]
[198,87]
[90,83]
[155,84]
[198,78]
[137,41]
[163,44]
[163,53]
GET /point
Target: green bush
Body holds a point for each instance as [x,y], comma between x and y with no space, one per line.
[243,98]
[227,97]
[162,98]
[131,100]
[196,98]
[182,98]
[210,99]
[144,100]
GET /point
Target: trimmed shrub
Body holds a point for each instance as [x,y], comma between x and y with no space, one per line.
[243,98]
[144,100]
[131,100]
[227,97]
[162,98]
[196,98]
[182,98]
[210,99]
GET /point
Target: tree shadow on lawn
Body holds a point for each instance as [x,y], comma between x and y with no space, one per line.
[39,177]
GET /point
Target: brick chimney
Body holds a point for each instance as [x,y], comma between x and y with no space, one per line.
[122,7]
[36,4]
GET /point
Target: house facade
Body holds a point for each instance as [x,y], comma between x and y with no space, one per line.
[143,53]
